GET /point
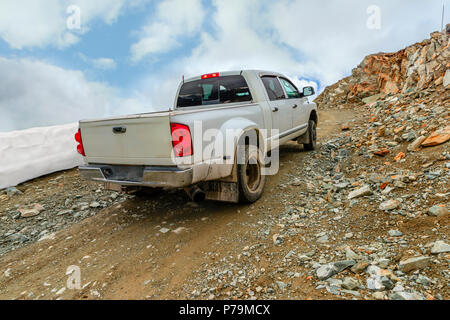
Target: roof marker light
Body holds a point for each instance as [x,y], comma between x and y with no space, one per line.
[210,75]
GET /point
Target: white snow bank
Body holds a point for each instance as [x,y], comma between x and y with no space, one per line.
[31,153]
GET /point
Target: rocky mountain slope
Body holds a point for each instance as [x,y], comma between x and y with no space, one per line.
[421,66]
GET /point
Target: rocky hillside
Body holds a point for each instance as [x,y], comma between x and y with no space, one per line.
[422,66]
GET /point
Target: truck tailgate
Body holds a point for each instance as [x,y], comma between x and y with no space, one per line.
[134,140]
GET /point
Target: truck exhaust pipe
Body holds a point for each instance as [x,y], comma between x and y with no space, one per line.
[196,194]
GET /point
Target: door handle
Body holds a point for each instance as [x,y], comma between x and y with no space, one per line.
[294,106]
[119,130]
[275,109]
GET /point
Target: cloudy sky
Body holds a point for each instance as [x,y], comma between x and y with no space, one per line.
[123,57]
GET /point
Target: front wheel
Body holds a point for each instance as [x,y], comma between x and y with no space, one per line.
[250,174]
[312,136]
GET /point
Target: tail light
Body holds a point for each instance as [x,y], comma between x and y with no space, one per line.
[80,147]
[181,140]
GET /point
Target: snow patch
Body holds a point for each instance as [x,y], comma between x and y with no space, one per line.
[31,153]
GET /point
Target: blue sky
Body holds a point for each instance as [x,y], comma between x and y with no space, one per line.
[129,56]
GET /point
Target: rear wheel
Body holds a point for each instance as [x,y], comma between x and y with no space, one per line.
[312,136]
[251,179]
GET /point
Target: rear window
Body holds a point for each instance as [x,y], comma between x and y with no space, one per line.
[220,90]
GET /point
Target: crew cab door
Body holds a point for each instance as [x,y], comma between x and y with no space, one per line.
[297,103]
[281,108]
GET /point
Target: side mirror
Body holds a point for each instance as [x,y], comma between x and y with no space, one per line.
[308,91]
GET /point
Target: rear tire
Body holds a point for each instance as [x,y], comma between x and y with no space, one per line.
[312,136]
[251,180]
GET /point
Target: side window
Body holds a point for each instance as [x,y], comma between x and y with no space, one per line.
[273,88]
[290,89]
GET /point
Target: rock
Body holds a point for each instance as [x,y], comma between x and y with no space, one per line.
[7,273]
[416,263]
[50,236]
[281,285]
[18,237]
[303,258]
[399,157]
[425,281]
[345,127]
[94,204]
[408,137]
[387,190]
[383,262]
[371,99]
[395,233]
[374,283]
[350,283]
[60,291]
[446,80]
[323,239]
[351,255]
[164,230]
[439,137]
[31,212]
[360,267]
[406,296]
[389,205]
[277,239]
[416,144]
[438,211]
[440,247]
[382,152]
[327,271]
[361,192]
[64,212]
[379,296]
[379,283]
[13,191]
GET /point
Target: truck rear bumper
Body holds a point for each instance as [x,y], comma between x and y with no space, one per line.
[138,175]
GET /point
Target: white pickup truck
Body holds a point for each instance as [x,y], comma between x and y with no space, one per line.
[190,145]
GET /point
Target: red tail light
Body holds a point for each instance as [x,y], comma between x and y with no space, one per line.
[80,147]
[181,140]
[211,75]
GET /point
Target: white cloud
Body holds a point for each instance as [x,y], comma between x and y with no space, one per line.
[332,37]
[173,19]
[99,63]
[35,93]
[40,23]
[104,63]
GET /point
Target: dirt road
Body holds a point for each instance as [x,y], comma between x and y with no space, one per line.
[164,247]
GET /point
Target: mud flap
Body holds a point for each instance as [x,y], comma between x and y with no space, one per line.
[221,191]
[304,139]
